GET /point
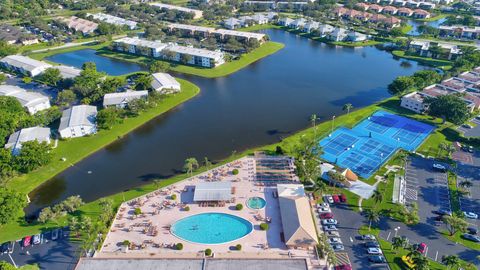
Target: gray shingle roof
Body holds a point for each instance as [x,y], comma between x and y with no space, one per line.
[81,115]
[26,63]
[28,134]
[123,97]
[27,99]
[213,191]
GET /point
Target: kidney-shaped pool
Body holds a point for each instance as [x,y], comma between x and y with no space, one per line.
[211,228]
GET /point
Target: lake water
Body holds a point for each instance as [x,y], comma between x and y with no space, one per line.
[261,104]
[416,24]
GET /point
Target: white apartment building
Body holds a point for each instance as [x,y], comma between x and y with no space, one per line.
[78,121]
[24,65]
[33,102]
[15,140]
[165,83]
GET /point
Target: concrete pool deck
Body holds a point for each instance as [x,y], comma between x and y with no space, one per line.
[141,230]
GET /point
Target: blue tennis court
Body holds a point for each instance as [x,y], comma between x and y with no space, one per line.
[369,144]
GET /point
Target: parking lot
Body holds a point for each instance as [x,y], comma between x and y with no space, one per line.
[52,255]
[428,187]
[471,132]
[470,172]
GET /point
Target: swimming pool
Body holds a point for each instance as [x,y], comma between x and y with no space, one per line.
[256,203]
[211,228]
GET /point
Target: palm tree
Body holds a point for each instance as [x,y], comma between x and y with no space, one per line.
[377,196]
[347,107]
[442,147]
[398,242]
[207,162]
[319,187]
[450,150]
[74,226]
[403,156]
[314,119]
[190,165]
[451,261]
[421,262]
[156,183]
[373,216]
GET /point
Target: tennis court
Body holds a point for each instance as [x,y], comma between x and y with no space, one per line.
[368,145]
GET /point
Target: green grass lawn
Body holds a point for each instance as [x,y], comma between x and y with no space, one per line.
[445,64]
[432,19]
[258,27]
[457,238]
[76,149]
[228,68]
[45,54]
[406,28]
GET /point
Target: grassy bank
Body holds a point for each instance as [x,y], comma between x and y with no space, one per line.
[228,68]
[444,64]
[53,51]
[77,149]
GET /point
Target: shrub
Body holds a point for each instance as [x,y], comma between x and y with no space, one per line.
[179,246]
[186,208]
[264,226]
[208,252]
[279,150]
[239,206]
[173,197]
[238,247]
[137,211]
[126,243]
[235,171]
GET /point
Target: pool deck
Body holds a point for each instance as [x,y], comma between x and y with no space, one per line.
[257,244]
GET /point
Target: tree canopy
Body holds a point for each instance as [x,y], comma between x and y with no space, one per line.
[451,107]
[11,203]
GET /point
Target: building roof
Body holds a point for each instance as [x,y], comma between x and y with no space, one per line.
[27,99]
[68,72]
[213,191]
[191,27]
[349,175]
[12,33]
[196,12]
[24,62]
[157,45]
[196,52]
[258,36]
[79,24]
[163,79]
[113,20]
[298,226]
[123,97]
[81,115]
[40,134]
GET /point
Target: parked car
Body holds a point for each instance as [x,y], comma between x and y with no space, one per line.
[374,251]
[471,237]
[368,237]
[326,215]
[467,126]
[334,240]
[329,221]
[377,259]
[36,239]
[4,248]
[338,247]
[422,248]
[324,204]
[472,230]
[343,267]
[470,215]
[332,234]
[336,199]
[470,149]
[439,167]
[343,198]
[27,240]
[324,210]
[330,228]
[328,198]
[55,234]
[371,245]
[443,212]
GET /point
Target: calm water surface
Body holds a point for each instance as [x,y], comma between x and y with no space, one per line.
[416,24]
[258,105]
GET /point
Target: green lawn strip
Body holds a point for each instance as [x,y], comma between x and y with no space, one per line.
[77,149]
[454,192]
[424,60]
[29,267]
[432,19]
[406,28]
[457,238]
[394,257]
[228,68]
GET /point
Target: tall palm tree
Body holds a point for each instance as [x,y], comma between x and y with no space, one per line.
[156,183]
[421,262]
[403,156]
[450,150]
[207,162]
[74,226]
[398,242]
[319,187]
[377,196]
[314,119]
[347,107]
[442,147]
[190,165]
[451,261]
[373,216]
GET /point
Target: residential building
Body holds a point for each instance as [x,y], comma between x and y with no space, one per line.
[261,18]
[412,4]
[404,12]
[459,31]
[297,222]
[362,6]
[12,34]
[197,14]
[325,29]
[232,23]
[421,14]
[24,65]
[198,57]
[470,77]
[355,36]
[338,34]
[291,5]
[33,102]
[285,21]
[140,46]
[424,49]
[390,10]
[261,4]
[15,140]
[68,72]
[165,83]
[114,20]
[121,99]
[298,23]
[203,31]
[80,25]
[375,8]
[310,26]
[414,101]
[78,121]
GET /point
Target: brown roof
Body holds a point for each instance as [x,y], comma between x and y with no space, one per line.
[375,6]
[362,5]
[421,11]
[405,10]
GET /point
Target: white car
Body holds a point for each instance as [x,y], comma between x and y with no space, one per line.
[332,234]
[328,228]
[329,221]
[328,198]
[326,205]
[374,251]
[335,240]
[324,210]
[470,215]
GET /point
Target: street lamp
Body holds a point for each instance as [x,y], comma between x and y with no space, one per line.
[396,231]
[333,122]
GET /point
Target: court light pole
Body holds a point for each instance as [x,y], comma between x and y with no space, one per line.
[333,122]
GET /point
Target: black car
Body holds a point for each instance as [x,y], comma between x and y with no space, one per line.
[4,248]
[472,230]
[372,245]
[470,237]
[377,259]
[443,212]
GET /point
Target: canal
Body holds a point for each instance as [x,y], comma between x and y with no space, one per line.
[260,104]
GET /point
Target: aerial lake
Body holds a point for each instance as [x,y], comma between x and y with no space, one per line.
[260,104]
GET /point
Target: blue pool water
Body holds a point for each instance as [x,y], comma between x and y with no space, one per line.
[256,203]
[369,144]
[211,228]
